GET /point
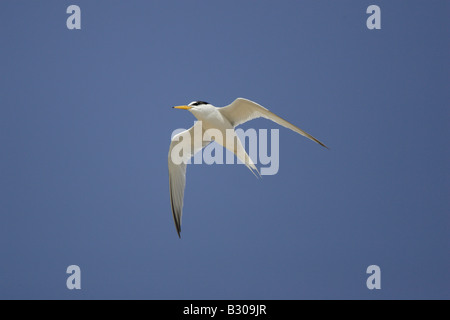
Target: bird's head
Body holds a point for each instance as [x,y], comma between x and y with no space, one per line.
[196,107]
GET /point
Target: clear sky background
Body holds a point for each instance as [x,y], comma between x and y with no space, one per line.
[85,127]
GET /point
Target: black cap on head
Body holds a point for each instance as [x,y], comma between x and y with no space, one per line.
[197,103]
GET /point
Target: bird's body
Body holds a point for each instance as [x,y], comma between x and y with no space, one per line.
[212,118]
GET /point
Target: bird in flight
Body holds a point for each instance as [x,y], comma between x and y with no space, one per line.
[225,120]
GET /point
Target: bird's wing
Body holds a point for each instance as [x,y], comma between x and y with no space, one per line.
[243,110]
[181,150]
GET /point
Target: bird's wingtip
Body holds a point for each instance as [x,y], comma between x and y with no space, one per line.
[321,143]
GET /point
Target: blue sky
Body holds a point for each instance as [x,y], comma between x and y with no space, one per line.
[86,121]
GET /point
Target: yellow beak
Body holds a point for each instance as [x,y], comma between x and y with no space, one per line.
[183,107]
